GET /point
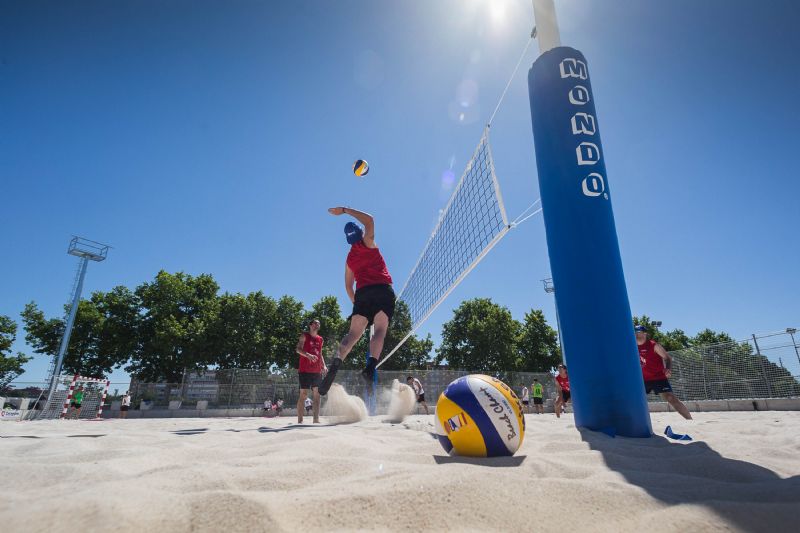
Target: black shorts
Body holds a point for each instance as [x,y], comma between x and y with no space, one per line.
[524,402]
[420,397]
[309,380]
[76,405]
[538,401]
[658,386]
[123,408]
[565,396]
[372,299]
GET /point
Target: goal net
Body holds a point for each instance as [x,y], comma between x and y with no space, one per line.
[94,396]
[471,224]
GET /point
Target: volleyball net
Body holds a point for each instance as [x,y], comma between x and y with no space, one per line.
[471,224]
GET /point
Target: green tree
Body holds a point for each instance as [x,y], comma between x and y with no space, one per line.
[178,312]
[10,365]
[537,344]
[241,333]
[480,337]
[102,337]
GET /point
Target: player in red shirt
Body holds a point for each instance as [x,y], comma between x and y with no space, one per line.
[657,369]
[309,348]
[562,389]
[373,298]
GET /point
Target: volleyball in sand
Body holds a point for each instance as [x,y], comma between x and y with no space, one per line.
[479,416]
[360,168]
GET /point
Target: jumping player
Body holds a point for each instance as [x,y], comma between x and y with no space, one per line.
[416,384]
[373,298]
[562,389]
[657,369]
[309,348]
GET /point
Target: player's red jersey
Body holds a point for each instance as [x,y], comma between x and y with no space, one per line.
[563,382]
[652,364]
[368,266]
[312,345]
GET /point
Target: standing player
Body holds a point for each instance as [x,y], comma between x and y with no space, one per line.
[562,389]
[657,369]
[525,398]
[538,397]
[75,403]
[373,298]
[309,348]
[126,404]
[416,384]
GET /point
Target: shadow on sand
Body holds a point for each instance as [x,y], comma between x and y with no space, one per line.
[495,462]
[748,496]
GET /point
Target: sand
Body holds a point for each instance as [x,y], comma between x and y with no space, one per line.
[742,472]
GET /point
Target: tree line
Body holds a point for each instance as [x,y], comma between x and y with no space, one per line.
[178,322]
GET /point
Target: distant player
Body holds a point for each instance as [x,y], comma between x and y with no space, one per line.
[309,348]
[76,402]
[416,384]
[308,405]
[562,389]
[373,298]
[657,369]
[525,399]
[126,404]
[538,397]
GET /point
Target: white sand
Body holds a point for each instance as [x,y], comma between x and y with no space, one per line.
[741,473]
[343,408]
[400,401]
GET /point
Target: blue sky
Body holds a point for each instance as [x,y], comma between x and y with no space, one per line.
[211,136]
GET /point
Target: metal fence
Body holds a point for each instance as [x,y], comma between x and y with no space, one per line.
[765,366]
[251,388]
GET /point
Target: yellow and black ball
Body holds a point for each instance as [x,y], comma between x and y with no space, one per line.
[360,168]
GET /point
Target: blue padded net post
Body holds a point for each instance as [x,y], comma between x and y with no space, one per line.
[597,331]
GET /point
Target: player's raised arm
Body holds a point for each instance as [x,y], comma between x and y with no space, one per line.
[365,218]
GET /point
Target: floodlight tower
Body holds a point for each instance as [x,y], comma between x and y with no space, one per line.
[87,251]
[549,288]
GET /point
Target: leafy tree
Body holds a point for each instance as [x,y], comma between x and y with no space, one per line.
[240,334]
[10,365]
[480,337]
[537,344]
[175,327]
[95,344]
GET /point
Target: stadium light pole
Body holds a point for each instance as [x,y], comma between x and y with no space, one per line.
[585,262]
[86,250]
[791,332]
[549,288]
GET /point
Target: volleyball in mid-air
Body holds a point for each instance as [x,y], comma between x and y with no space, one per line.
[479,416]
[360,168]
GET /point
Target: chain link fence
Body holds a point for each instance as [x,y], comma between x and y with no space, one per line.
[765,366]
[236,388]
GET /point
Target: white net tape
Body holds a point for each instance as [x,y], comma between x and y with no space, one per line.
[471,224]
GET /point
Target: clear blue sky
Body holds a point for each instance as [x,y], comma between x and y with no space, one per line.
[211,136]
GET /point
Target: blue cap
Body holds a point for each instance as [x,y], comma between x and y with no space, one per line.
[353,232]
[640,328]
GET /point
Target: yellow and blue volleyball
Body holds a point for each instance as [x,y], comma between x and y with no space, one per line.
[360,168]
[479,416]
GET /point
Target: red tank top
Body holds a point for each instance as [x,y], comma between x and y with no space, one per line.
[652,364]
[368,266]
[312,345]
[563,382]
